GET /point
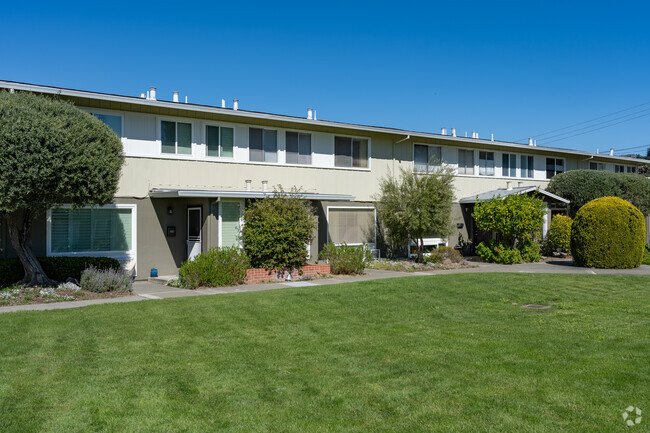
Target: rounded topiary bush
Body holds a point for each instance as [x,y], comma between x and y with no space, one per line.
[608,232]
[559,234]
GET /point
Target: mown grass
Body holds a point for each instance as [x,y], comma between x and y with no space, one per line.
[445,353]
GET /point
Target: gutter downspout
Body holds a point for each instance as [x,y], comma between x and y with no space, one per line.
[587,159]
[397,142]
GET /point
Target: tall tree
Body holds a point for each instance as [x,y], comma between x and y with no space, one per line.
[416,205]
[51,153]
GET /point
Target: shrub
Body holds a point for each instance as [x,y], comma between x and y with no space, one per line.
[582,186]
[218,267]
[514,218]
[346,259]
[608,233]
[646,255]
[441,254]
[105,280]
[530,251]
[277,231]
[496,252]
[559,234]
[57,268]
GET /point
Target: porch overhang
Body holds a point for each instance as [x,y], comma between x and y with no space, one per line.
[503,192]
[202,193]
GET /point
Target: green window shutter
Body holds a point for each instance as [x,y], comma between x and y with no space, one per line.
[168,136]
[230,223]
[227,142]
[184,138]
[59,231]
[213,140]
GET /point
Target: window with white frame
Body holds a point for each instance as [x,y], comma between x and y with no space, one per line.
[91,230]
[631,169]
[486,163]
[176,137]
[527,166]
[219,140]
[262,145]
[112,121]
[298,148]
[554,166]
[426,158]
[465,161]
[351,225]
[596,166]
[619,168]
[350,152]
[509,165]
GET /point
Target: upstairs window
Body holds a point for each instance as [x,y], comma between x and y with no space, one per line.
[554,166]
[486,163]
[509,165]
[263,145]
[220,141]
[426,158]
[113,122]
[527,166]
[619,169]
[596,166]
[465,161]
[298,148]
[176,137]
[631,169]
[350,152]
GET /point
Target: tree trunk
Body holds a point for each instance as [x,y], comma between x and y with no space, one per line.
[19,224]
[421,251]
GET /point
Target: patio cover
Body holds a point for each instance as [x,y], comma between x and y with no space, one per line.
[173,193]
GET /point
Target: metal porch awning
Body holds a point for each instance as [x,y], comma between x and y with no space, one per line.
[504,192]
[202,193]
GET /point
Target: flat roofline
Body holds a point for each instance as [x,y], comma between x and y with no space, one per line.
[189,107]
[200,193]
[517,190]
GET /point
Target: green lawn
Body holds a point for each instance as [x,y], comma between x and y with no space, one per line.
[447,353]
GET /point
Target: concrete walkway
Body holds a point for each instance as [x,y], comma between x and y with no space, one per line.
[144,290]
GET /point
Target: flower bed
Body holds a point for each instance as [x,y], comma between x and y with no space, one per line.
[260,275]
[42,295]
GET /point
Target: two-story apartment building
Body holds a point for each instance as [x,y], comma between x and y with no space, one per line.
[190,169]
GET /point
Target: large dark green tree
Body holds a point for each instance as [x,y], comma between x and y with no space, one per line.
[51,153]
[414,206]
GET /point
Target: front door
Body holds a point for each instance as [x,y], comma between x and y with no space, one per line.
[194,223]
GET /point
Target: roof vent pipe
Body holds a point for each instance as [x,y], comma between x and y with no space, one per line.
[443,131]
[175,98]
[310,113]
[530,141]
[611,152]
[235,104]
[223,103]
[186,99]
[152,93]
[315,115]
[535,143]
[453,132]
[143,95]
[492,137]
[508,185]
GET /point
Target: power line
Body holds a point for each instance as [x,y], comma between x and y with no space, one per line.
[586,121]
[601,123]
[634,147]
[595,129]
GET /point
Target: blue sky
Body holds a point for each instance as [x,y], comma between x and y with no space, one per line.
[514,69]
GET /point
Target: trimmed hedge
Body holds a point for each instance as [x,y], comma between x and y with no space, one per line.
[218,267]
[57,268]
[608,233]
[559,234]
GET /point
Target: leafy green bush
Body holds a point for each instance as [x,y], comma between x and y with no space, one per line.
[218,267]
[346,259]
[646,255]
[496,252]
[105,280]
[441,254]
[608,233]
[582,186]
[559,234]
[57,268]
[530,251]
[277,231]
[514,218]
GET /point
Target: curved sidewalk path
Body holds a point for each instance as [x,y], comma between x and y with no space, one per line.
[144,290]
